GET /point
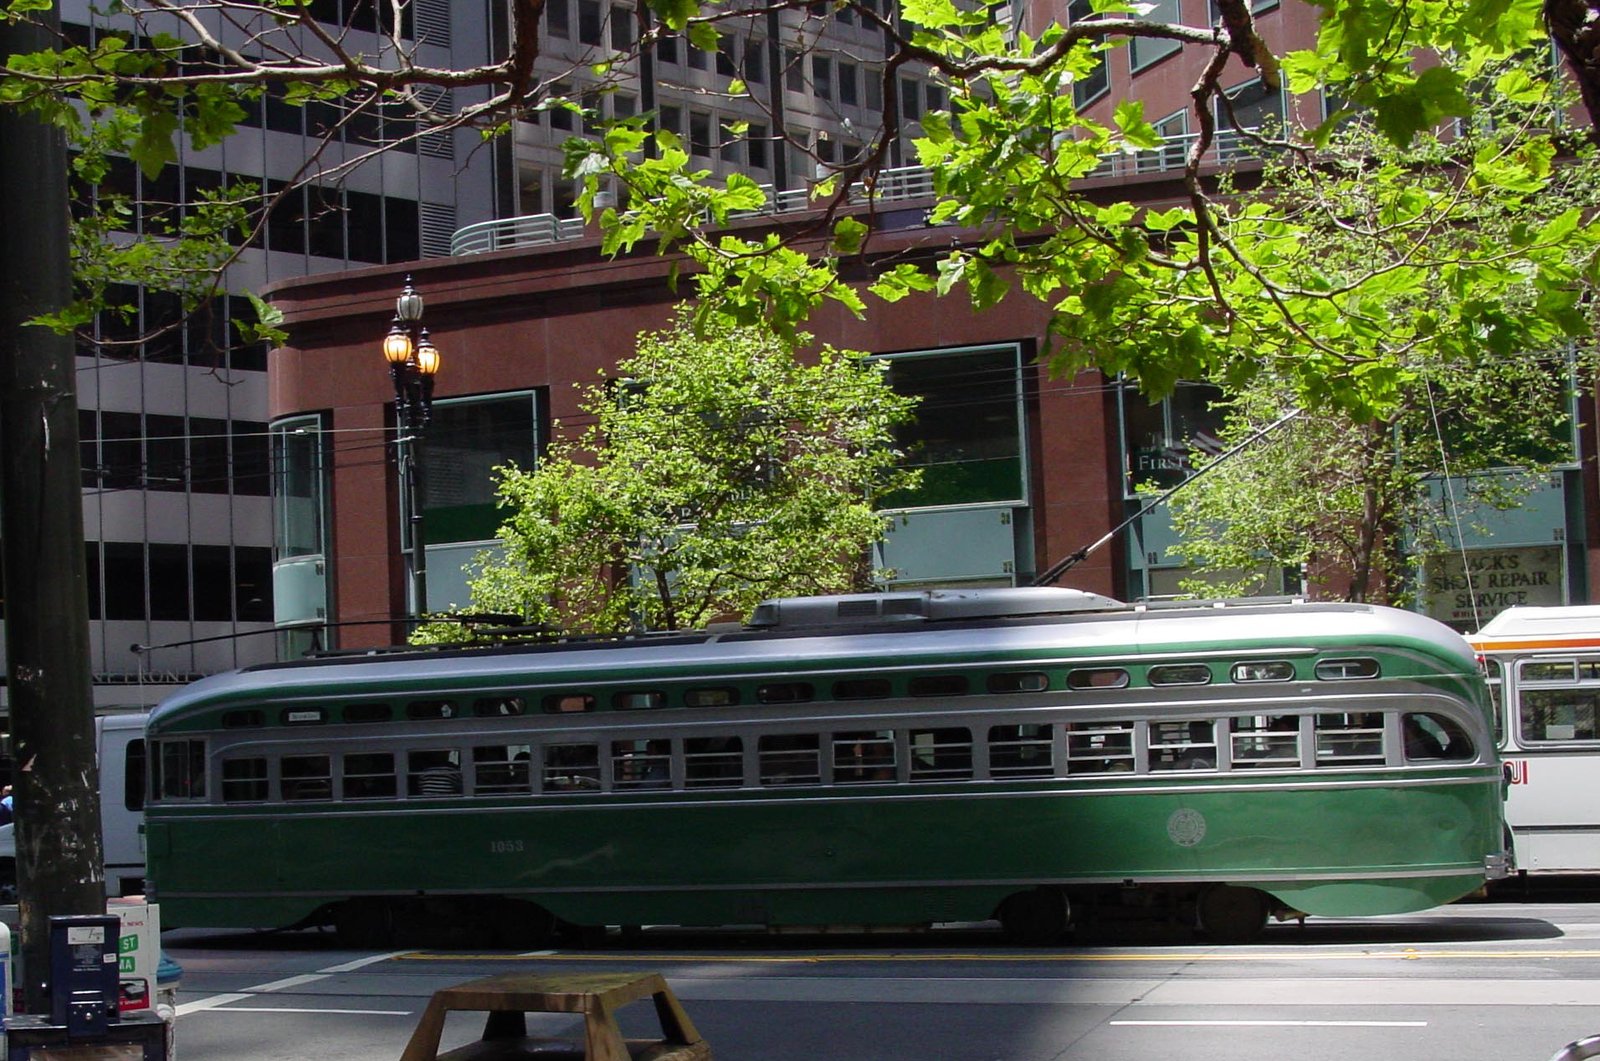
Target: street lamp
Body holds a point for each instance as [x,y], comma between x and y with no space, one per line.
[413,363]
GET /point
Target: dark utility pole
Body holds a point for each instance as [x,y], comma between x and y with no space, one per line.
[55,779]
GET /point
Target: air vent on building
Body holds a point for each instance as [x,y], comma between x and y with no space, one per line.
[433,22]
[438,226]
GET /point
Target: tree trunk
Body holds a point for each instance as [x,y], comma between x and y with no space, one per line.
[60,869]
[1575,27]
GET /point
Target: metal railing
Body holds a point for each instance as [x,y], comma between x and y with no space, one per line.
[1228,147]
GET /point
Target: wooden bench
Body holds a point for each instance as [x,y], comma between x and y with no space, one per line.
[510,998]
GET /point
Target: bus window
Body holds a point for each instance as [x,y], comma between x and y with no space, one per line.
[784,693]
[714,697]
[499,706]
[639,700]
[713,762]
[179,770]
[1179,674]
[420,710]
[369,775]
[940,754]
[433,772]
[1028,681]
[571,768]
[861,689]
[641,763]
[1021,751]
[1555,714]
[1344,670]
[1183,745]
[305,777]
[1350,739]
[243,719]
[244,780]
[367,713]
[863,757]
[1431,737]
[133,775]
[1265,742]
[500,768]
[1097,678]
[789,759]
[561,703]
[1269,671]
[1099,747]
[1492,675]
[938,685]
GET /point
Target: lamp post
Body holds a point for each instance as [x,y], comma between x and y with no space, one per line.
[413,363]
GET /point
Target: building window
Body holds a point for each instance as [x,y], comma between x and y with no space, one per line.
[467,440]
[1143,51]
[700,133]
[1097,82]
[621,28]
[589,22]
[558,18]
[822,76]
[848,73]
[1251,106]
[1162,437]
[967,432]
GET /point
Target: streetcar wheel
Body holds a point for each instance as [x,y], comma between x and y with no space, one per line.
[363,924]
[1231,914]
[1036,918]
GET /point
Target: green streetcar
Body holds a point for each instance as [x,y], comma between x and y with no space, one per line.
[1041,756]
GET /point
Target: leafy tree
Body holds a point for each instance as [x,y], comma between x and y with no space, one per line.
[1345,496]
[1204,291]
[719,471]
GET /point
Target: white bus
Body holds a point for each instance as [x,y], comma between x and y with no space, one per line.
[1544,667]
[119,746]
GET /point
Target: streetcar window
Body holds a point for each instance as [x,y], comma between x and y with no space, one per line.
[433,772]
[571,768]
[243,719]
[641,764]
[499,707]
[302,716]
[1021,751]
[561,703]
[1097,678]
[715,697]
[784,693]
[305,777]
[938,685]
[369,775]
[133,775]
[1180,674]
[1343,670]
[861,757]
[178,770]
[1431,737]
[1265,742]
[364,713]
[1565,670]
[1099,747]
[789,759]
[500,768]
[1559,714]
[861,689]
[1354,739]
[421,710]
[244,780]
[1183,745]
[639,700]
[940,754]
[1024,681]
[1276,670]
[713,762]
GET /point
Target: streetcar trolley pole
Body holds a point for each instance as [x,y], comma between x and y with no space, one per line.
[508,999]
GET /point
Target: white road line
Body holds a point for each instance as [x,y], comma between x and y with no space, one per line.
[215,1001]
[1268,1023]
[293,1009]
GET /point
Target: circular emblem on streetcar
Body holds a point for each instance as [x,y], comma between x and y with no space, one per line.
[1186,826]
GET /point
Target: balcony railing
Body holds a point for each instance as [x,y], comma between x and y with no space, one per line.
[907,183]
